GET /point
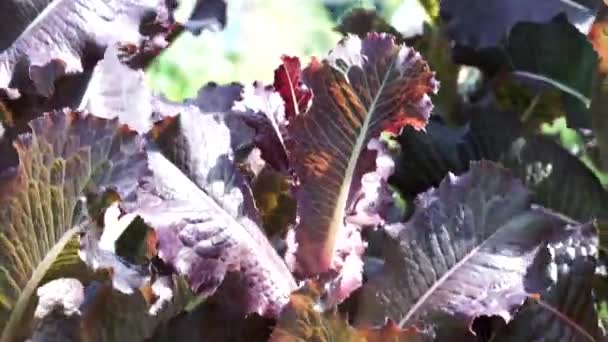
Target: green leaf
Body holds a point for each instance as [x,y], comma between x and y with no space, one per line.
[555,53]
[64,157]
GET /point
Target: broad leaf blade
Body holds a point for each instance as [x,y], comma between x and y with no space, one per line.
[64,157]
[475,236]
[363,87]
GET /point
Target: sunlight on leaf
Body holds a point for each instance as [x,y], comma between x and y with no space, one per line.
[363,87]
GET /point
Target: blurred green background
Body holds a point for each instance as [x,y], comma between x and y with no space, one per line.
[257,33]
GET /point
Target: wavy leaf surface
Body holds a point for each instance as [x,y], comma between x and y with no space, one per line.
[362,87]
[73,33]
[63,158]
[566,311]
[474,246]
[206,220]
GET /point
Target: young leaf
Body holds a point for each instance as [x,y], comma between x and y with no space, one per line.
[480,24]
[363,87]
[63,158]
[475,236]
[287,82]
[300,320]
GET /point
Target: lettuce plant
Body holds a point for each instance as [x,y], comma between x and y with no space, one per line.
[336,203]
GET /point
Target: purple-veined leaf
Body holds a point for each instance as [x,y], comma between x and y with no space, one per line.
[474,246]
[41,182]
[481,24]
[363,87]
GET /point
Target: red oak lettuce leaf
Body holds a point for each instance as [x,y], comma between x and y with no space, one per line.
[301,320]
[362,87]
[287,82]
[474,246]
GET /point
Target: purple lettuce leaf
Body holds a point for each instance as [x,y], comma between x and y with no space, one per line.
[205,217]
[44,177]
[566,310]
[474,246]
[73,34]
[363,87]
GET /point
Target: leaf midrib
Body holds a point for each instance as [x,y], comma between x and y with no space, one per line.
[422,300]
[33,282]
[338,215]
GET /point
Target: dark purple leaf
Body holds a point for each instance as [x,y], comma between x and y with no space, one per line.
[565,311]
[474,246]
[65,157]
[481,24]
